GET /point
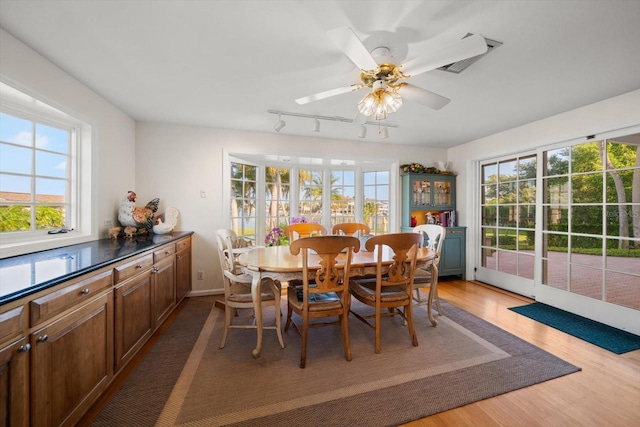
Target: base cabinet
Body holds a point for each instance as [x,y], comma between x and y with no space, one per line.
[133,317]
[61,348]
[72,363]
[14,409]
[183,269]
[163,290]
[452,258]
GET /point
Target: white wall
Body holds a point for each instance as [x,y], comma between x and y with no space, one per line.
[113,131]
[175,162]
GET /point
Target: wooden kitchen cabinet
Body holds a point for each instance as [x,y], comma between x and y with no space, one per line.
[72,363]
[163,289]
[183,268]
[134,319]
[63,344]
[14,405]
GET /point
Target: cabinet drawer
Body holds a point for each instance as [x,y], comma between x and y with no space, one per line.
[12,323]
[183,244]
[130,269]
[164,252]
[48,306]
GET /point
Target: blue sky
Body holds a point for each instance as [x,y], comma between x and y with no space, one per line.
[51,156]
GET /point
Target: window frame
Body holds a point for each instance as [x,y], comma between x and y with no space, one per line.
[326,167]
[20,102]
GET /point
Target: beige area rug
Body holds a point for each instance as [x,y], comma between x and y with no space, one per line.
[462,360]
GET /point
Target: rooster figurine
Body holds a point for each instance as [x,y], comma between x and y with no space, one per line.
[130,215]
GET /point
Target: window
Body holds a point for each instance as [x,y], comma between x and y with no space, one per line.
[343,197]
[376,201]
[46,175]
[320,194]
[35,175]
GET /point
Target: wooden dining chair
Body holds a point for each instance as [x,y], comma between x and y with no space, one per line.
[328,295]
[433,237]
[351,229]
[304,229]
[391,288]
[237,294]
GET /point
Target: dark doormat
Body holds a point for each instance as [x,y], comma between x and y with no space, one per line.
[607,337]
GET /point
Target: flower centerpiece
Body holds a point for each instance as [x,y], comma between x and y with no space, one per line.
[276,236]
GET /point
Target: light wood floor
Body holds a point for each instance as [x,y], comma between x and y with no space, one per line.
[605,393]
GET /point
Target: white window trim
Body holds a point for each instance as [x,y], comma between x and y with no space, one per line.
[391,165]
[23,103]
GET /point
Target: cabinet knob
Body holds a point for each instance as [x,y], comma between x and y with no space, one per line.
[167,253]
[43,338]
[139,266]
[85,291]
[24,348]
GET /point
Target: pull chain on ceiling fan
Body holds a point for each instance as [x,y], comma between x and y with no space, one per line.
[387,81]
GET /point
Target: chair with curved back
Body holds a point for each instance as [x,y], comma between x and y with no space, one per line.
[391,288]
[351,229]
[304,229]
[328,295]
[433,238]
[237,291]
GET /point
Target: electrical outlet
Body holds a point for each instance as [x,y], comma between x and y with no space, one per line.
[200,274]
[108,222]
[203,194]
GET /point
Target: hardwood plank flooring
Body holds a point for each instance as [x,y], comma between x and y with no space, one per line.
[605,393]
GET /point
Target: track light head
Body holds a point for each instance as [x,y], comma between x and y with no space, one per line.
[384,132]
[316,125]
[280,125]
[363,131]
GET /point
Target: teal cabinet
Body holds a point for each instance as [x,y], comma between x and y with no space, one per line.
[432,197]
[452,258]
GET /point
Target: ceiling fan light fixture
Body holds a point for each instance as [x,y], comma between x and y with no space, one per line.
[380,102]
[280,125]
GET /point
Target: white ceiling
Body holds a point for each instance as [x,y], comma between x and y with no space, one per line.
[225,63]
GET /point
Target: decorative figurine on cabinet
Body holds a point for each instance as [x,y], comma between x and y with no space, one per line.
[131,215]
[170,221]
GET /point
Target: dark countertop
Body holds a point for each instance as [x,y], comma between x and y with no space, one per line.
[23,275]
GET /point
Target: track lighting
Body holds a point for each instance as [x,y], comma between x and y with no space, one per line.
[384,133]
[281,124]
[363,131]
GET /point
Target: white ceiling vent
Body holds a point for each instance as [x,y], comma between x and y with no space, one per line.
[458,67]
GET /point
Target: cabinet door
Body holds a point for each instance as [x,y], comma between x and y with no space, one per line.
[452,259]
[183,274]
[163,289]
[72,363]
[134,317]
[14,396]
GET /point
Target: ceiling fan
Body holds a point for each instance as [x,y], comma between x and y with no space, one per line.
[387,81]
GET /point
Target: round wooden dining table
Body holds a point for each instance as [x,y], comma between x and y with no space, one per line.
[277,262]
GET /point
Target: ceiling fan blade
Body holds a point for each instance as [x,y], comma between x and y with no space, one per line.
[466,48]
[351,45]
[423,96]
[327,94]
